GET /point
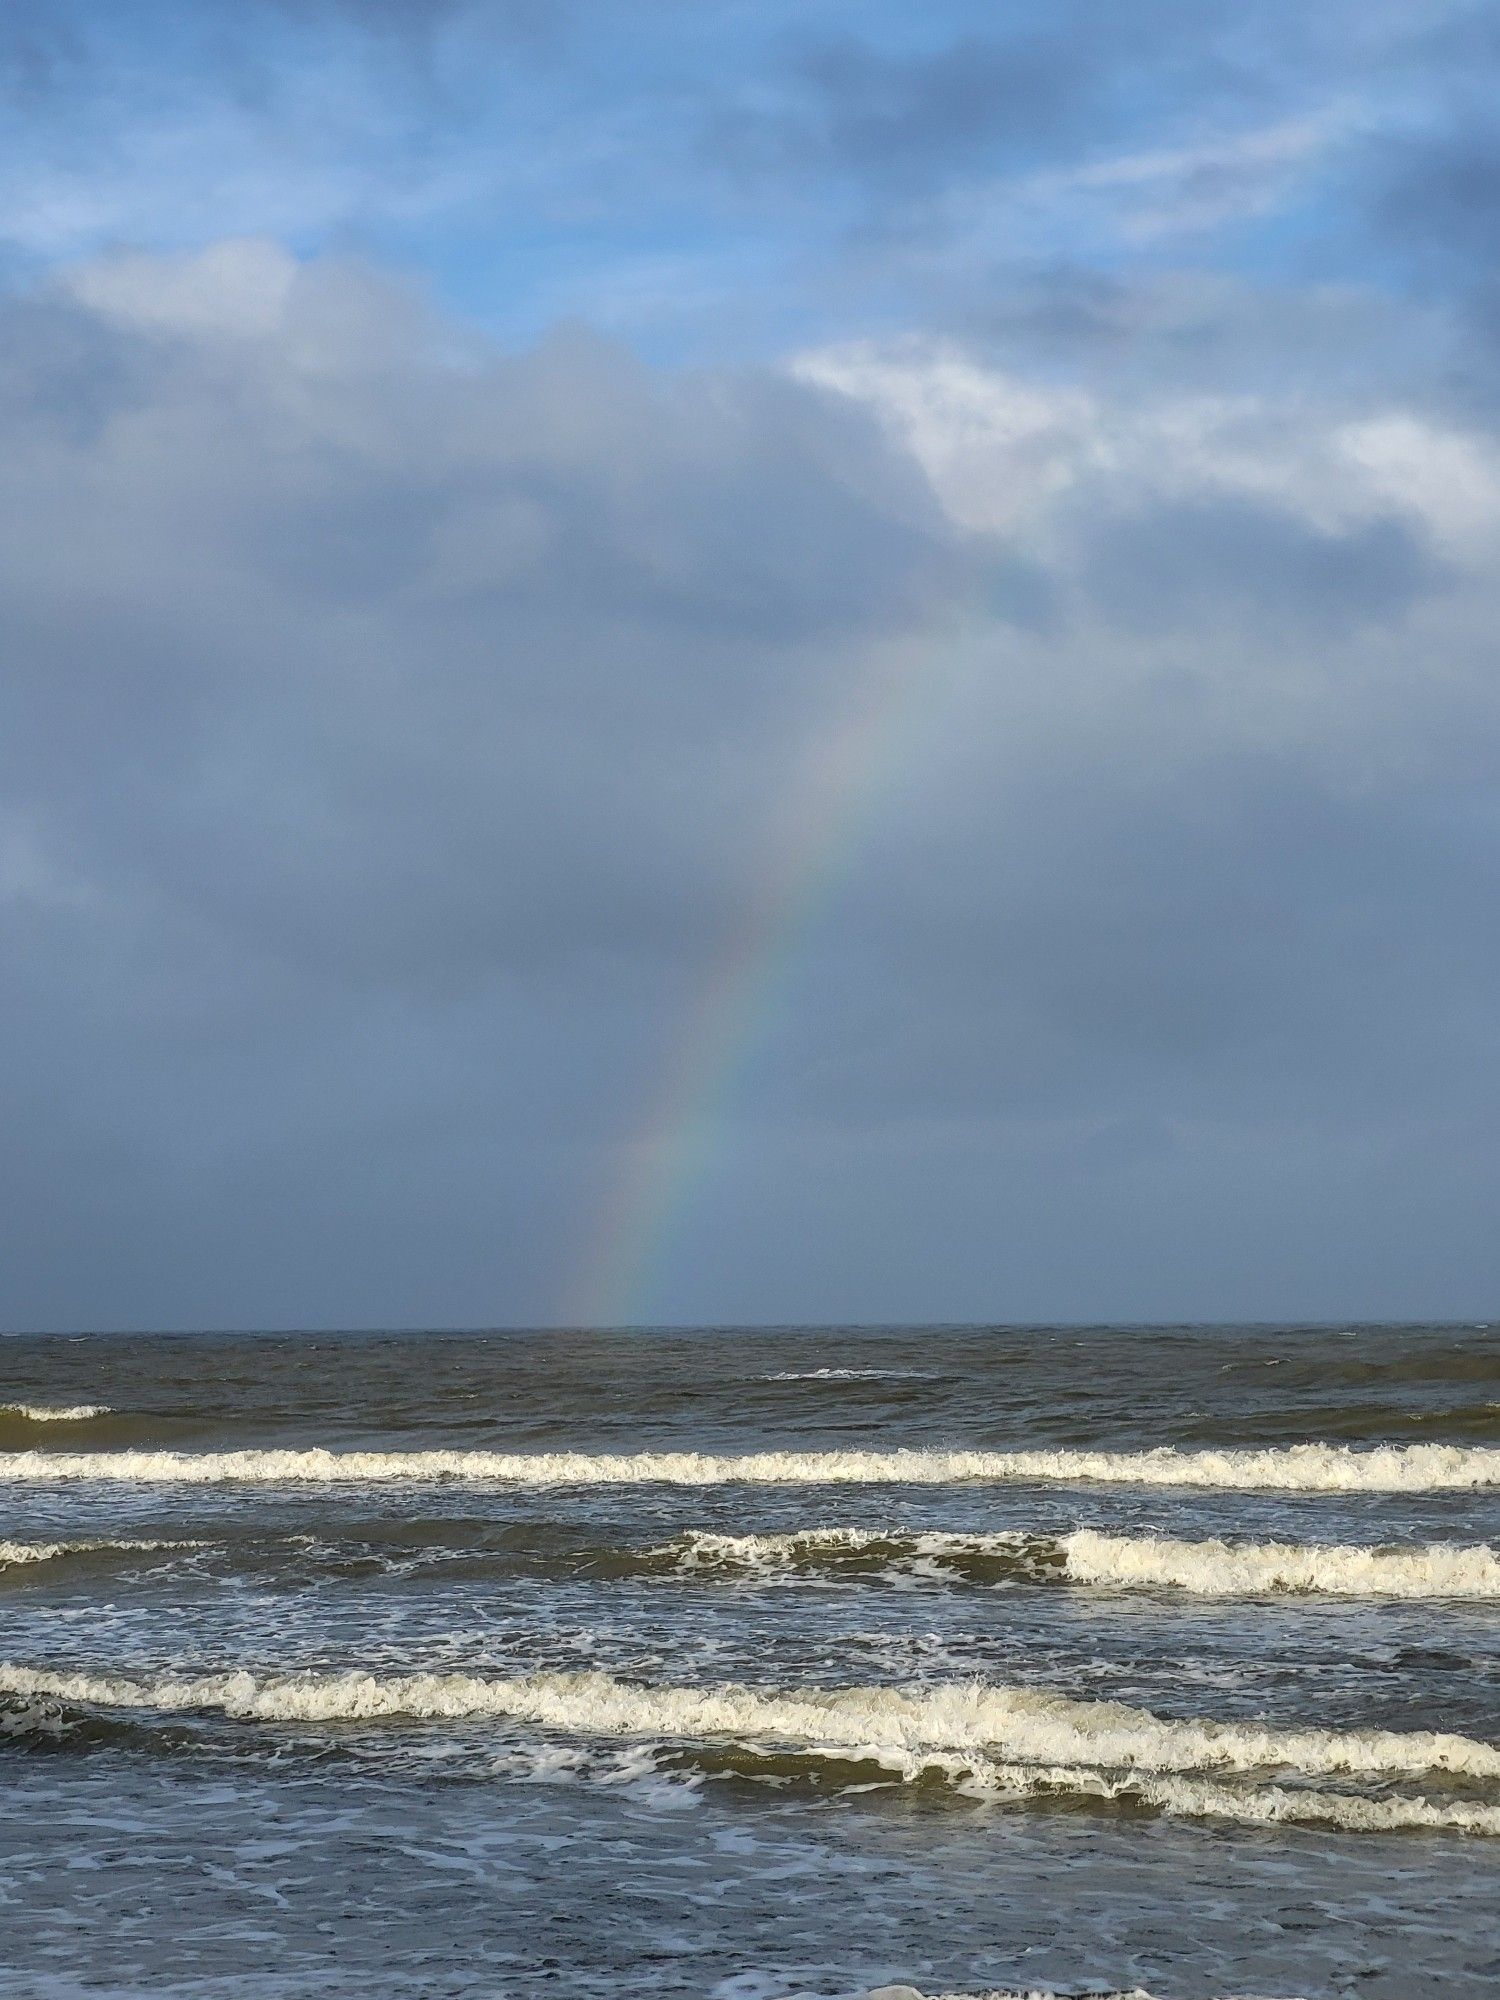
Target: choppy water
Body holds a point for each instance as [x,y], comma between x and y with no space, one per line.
[751,1664]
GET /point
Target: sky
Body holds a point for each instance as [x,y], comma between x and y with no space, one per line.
[705,663]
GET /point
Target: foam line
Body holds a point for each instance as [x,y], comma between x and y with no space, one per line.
[1204,1568]
[54,1413]
[15,1553]
[1039,1729]
[1307,1468]
[1240,1569]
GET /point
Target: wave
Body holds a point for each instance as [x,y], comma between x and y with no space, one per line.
[1248,1569]
[16,1553]
[997,1993]
[848,1375]
[1358,1423]
[1416,1364]
[55,1413]
[897,1556]
[1034,1725]
[901,1992]
[1004,1743]
[1310,1468]
[1206,1568]
[1008,1555]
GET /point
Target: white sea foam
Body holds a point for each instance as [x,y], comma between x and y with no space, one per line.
[1242,1569]
[899,1992]
[1311,1468]
[31,1552]
[995,1740]
[706,1549]
[847,1375]
[54,1413]
[12,1553]
[1206,1569]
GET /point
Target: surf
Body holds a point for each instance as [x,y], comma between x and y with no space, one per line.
[1210,1568]
[1002,1742]
[13,1555]
[54,1413]
[1308,1468]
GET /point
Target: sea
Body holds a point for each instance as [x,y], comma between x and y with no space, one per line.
[742,1664]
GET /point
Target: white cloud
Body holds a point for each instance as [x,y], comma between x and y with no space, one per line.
[1449,479]
[1174,190]
[1002,450]
[240,286]
[995,448]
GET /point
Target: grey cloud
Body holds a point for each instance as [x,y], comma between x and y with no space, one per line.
[904,124]
[1434,202]
[1338,344]
[904,117]
[1444,197]
[1159,1038]
[1420,192]
[349,655]
[1221,562]
[385,736]
[391,736]
[1230,937]
[1069,80]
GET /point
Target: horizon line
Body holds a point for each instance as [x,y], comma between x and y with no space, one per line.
[1292,1324]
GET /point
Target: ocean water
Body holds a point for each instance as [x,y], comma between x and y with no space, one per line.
[751,1664]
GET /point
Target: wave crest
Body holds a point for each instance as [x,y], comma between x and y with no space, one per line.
[13,1554]
[1249,1569]
[55,1413]
[1311,1468]
[1206,1568]
[848,1375]
[1032,1724]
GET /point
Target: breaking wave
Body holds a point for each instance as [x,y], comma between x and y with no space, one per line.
[15,1553]
[998,1742]
[1206,1569]
[54,1413]
[900,1992]
[1006,1556]
[1310,1468]
[848,1375]
[1247,1569]
[1085,1558]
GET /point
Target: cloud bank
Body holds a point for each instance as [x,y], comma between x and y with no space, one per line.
[1024,726]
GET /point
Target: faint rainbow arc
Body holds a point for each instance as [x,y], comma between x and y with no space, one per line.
[812,837]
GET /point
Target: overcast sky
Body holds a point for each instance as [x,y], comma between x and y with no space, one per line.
[665,660]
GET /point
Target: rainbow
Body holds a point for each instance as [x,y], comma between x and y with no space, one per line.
[823,811]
